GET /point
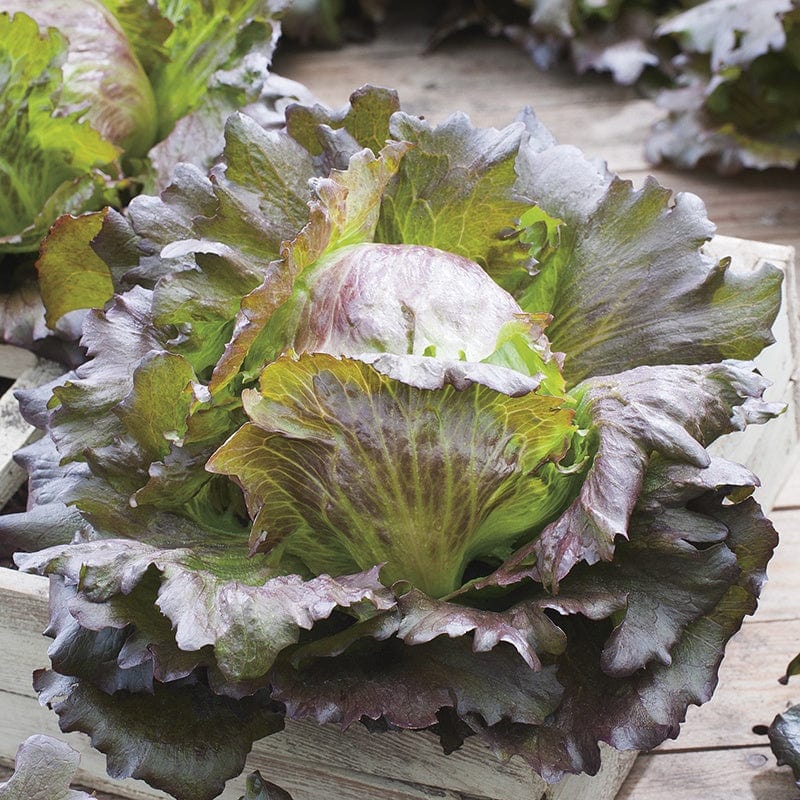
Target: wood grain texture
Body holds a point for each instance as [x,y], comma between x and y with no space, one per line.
[744,774]
[789,495]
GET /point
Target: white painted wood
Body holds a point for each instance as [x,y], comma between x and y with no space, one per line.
[768,449]
[15,360]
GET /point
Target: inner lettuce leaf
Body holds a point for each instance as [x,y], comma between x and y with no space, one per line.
[335,452]
[344,468]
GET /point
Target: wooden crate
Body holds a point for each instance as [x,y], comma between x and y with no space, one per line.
[310,760]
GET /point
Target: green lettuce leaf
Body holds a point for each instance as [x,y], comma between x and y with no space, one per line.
[206,41]
[325,492]
[52,164]
[103,79]
[590,274]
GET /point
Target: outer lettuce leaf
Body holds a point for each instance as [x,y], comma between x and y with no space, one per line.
[205,604]
[53,162]
[702,312]
[81,279]
[407,687]
[648,706]
[633,415]
[784,738]
[44,769]
[45,766]
[205,743]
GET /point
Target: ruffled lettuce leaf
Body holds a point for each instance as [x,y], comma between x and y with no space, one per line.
[44,770]
[343,467]
[589,276]
[103,79]
[45,767]
[205,743]
[203,604]
[633,415]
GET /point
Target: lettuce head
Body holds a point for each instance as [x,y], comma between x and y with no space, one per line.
[394,424]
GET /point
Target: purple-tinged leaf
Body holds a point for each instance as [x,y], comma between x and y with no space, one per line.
[44,769]
[204,742]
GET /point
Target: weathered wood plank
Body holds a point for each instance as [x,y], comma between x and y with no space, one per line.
[15,360]
[746,774]
[789,496]
[780,599]
[748,693]
[14,431]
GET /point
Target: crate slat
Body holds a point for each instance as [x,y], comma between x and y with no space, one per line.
[746,774]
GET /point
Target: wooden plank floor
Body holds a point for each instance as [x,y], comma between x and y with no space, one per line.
[718,756]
